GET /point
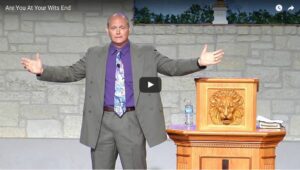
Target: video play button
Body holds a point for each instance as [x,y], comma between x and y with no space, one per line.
[150,84]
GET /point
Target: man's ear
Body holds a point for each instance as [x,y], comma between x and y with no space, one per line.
[130,30]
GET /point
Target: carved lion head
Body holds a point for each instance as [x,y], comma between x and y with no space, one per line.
[226,107]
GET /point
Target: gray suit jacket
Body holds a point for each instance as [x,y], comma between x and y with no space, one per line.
[146,62]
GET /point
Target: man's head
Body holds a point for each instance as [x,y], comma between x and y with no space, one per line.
[118,29]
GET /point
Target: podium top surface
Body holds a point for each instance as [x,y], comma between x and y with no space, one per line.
[227,80]
[183,132]
[191,130]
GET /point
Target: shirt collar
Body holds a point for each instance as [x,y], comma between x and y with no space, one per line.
[113,49]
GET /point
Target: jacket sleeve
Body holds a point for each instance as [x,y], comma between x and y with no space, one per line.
[72,73]
[177,67]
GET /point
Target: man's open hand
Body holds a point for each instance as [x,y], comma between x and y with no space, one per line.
[210,58]
[33,65]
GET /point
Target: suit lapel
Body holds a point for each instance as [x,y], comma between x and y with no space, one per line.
[137,69]
[101,70]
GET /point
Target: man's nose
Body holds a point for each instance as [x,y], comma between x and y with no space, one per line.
[118,30]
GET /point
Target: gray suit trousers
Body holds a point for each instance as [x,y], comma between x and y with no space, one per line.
[121,136]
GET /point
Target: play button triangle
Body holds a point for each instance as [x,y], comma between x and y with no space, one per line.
[150,84]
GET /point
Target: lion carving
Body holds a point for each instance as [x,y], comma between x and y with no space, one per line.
[226,107]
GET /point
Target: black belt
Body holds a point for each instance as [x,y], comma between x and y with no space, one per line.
[111,109]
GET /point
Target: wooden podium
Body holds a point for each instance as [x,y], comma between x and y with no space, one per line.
[225,150]
[225,134]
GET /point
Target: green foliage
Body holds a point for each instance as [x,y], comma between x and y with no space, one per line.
[194,15]
[142,16]
[263,17]
[197,14]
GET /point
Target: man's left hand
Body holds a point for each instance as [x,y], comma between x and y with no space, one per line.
[210,58]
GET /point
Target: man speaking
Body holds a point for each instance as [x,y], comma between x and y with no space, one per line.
[117,117]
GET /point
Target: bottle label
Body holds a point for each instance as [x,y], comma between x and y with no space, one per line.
[189,109]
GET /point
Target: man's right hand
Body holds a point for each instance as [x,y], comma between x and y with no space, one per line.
[34,66]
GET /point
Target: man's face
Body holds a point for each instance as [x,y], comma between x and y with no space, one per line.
[118,30]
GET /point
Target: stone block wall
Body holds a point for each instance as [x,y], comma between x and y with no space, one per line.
[33,109]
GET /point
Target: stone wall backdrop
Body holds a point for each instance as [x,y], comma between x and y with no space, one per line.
[33,109]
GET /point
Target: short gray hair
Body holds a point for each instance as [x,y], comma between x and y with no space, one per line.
[118,14]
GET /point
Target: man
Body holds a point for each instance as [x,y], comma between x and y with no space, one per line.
[117,117]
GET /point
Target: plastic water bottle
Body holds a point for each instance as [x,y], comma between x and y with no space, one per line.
[189,114]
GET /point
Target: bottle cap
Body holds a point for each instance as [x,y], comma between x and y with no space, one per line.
[187,101]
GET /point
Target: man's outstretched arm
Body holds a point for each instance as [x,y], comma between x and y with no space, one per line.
[181,67]
[71,73]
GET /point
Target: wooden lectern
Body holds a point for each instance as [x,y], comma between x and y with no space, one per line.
[225,134]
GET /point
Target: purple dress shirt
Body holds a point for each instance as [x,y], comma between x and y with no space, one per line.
[110,75]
